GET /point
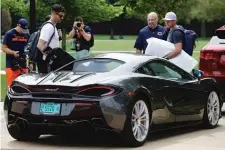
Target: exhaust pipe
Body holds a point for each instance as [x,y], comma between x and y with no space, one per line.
[98,122]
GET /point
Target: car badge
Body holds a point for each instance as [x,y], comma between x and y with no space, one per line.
[52,90]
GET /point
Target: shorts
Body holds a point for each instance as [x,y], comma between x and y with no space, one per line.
[82,54]
[12,75]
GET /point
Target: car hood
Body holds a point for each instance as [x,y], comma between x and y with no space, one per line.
[65,78]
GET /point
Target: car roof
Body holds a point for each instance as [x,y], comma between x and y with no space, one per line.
[126,57]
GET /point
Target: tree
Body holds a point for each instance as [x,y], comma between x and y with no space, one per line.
[14,6]
[208,11]
[6,21]
[9,7]
[96,10]
[142,7]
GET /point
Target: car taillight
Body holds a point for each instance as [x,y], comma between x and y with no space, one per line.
[207,55]
[202,55]
[98,91]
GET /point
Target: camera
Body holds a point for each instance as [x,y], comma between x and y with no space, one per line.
[51,54]
[78,24]
[19,62]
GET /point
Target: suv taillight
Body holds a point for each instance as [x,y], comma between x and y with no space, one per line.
[208,61]
[207,55]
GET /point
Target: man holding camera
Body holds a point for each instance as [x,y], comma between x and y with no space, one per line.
[83,38]
[13,45]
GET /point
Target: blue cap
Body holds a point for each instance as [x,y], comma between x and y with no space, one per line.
[24,25]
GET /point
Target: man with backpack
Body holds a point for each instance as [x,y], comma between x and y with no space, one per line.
[31,46]
[182,39]
[83,38]
[46,39]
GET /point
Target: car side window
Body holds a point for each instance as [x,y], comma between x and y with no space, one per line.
[145,70]
[168,71]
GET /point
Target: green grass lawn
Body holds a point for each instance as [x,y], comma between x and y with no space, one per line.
[102,43]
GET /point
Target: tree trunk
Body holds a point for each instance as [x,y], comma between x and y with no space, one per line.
[203,29]
[32,16]
[6,21]
[63,39]
[112,34]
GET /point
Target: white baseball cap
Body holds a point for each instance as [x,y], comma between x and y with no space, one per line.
[170,16]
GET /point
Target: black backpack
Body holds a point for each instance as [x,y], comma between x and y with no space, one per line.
[91,42]
[31,48]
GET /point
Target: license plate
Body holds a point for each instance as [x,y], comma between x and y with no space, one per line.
[50,108]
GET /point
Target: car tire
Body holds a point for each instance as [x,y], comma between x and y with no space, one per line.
[212,110]
[136,129]
[22,134]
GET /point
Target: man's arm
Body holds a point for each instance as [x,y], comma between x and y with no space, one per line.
[178,39]
[5,49]
[138,51]
[45,35]
[41,45]
[71,34]
[139,44]
[86,35]
[176,51]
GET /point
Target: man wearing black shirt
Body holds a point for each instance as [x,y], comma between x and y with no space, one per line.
[83,38]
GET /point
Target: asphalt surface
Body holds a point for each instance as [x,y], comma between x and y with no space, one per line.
[177,139]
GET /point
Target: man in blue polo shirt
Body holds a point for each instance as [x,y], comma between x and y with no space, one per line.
[151,30]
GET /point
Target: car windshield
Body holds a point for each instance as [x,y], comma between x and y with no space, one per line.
[96,65]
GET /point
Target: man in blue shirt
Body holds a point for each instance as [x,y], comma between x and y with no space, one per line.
[151,30]
[13,45]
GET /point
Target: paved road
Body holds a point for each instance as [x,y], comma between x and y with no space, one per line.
[189,138]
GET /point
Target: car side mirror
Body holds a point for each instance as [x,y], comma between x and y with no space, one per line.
[197,73]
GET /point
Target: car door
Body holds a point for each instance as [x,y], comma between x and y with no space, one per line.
[156,86]
[182,91]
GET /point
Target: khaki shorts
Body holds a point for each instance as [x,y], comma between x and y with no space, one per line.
[82,54]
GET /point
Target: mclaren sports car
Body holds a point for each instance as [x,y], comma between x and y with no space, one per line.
[126,93]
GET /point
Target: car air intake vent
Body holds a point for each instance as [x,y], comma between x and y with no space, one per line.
[20,89]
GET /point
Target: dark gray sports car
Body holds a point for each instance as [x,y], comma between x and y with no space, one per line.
[122,92]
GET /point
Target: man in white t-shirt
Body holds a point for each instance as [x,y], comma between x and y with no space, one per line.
[49,37]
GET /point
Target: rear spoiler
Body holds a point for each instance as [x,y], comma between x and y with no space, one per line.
[220,33]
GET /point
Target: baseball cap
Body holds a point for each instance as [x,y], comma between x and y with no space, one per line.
[170,16]
[24,25]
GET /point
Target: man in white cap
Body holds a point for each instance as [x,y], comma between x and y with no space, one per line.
[174,36]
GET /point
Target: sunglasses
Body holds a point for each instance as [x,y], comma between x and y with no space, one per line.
[61,16]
